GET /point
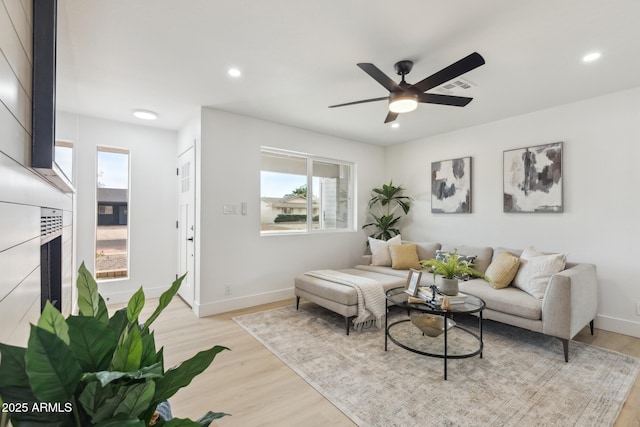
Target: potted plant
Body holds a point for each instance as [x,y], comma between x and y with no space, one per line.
[93,369]
[389,197]
[449,270]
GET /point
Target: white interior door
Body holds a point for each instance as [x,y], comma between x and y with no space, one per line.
[186,224]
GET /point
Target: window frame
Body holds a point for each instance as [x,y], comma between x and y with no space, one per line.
[310,159]
[117,150]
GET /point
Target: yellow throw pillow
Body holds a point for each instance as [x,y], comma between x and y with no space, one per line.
[404,257]
[502,270]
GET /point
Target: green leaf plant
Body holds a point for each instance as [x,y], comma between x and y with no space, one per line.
[452,267]
[95,370]
[387,199]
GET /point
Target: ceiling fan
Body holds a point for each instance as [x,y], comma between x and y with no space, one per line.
[404,97]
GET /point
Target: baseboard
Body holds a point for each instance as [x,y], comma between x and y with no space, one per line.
[217,307]
[124,297]
[620,326]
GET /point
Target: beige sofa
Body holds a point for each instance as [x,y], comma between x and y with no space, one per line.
[568,304]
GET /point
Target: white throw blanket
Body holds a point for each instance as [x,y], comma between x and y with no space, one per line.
[371,297]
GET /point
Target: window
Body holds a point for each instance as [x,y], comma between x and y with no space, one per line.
[64,157]
[112,223]
[105,210]
[303,193]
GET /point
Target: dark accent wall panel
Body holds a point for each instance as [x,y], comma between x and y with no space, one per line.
[44,83]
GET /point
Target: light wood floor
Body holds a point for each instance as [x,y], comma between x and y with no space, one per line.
[254,386]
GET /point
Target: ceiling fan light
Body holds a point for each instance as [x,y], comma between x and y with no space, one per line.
[403,104]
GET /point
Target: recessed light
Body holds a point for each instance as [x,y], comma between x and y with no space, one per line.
[590,57]
[234,72]
[395,125]
[145,114]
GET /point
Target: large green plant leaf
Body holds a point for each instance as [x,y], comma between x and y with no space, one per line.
[12,366]
[92,342]
[90,303]
[205,420]
[160,357]
[128,353]
[128,401]
[136,399]
[119,321]
[53,371]
[385,225]
[122,421]
[165,299]
[106,377]
[53,321]
[209,417]
[180,376]
[94,399]
[136,303]
[148,350]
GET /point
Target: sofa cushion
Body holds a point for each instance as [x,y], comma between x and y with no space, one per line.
[508,300]
[536,270]
[502,270]
[380,250]
[404,257]
[499,250]
[483,255]
[343,294]
[383,270]
[426,250]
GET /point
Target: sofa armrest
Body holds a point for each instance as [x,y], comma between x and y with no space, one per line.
[571,301]
[366,260]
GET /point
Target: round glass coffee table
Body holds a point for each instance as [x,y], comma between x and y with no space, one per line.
[453,342]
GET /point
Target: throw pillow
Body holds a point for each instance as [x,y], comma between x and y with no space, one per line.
[404,257]
[536,270]
[380,250]
[502,270]
[442,256]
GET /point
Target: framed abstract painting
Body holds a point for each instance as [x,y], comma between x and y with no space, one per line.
[533,179]
[451,186]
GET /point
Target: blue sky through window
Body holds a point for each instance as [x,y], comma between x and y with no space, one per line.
[274,184]
[113,170]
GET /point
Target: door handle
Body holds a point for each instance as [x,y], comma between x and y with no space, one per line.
[190,239]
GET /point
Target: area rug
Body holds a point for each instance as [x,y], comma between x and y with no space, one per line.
[522,379]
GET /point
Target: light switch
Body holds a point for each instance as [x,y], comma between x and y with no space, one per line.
[230,209]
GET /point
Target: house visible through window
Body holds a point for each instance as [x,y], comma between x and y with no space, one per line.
[304,193]
[112,222]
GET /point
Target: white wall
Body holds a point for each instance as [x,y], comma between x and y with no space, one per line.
[232,252]
[153,200]
[601,176]
[22,192]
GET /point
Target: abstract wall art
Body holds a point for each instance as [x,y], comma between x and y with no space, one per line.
[533,179]
[451,186]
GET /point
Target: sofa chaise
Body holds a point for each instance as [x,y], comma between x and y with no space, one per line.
[561,305]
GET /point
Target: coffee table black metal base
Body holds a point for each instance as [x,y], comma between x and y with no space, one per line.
[407,336]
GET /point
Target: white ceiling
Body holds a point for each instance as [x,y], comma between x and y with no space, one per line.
[299,56]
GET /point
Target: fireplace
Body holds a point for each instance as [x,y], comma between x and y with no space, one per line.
[51,257]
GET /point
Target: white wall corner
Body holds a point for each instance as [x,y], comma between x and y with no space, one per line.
[223,306]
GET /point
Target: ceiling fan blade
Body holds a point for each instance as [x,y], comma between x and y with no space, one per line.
[433,98]
[454,70]
[379,76]
[385,98]
[391,116]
